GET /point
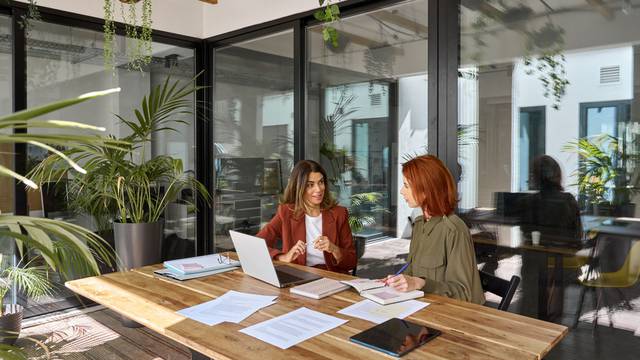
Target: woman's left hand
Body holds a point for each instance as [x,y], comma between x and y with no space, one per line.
[405,283]
[323,243]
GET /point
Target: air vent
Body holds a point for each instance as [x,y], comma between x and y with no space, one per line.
[376,99]
[610,74]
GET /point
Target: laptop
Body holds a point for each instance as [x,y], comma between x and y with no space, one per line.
[256,262]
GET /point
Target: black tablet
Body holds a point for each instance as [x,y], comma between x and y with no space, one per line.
[395,336]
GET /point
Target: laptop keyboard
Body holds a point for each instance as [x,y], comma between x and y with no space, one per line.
[286,278]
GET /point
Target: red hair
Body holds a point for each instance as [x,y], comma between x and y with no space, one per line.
[431,184]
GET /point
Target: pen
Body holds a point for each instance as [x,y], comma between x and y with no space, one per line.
[403,268]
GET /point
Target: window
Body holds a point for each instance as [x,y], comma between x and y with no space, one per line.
[367,111]
[253,132]
[548,91]
[64,62]
[531,141]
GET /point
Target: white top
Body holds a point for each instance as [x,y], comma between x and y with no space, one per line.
[313,226]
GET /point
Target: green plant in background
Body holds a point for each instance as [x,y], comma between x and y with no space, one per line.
[125,185]
[138,34]
[600,169]
[362,206]
[329,14]
[27,277]
[54,245]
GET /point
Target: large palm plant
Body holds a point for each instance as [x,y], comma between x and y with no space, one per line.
[124,184]
[64,247]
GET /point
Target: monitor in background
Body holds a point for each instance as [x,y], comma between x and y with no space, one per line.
[508,204]
[240,175]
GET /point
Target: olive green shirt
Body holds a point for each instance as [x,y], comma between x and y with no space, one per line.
[442,253]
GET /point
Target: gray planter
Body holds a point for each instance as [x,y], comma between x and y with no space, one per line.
[138,245]
[10,324]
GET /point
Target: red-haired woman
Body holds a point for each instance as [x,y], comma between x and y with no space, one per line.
[314,230]
[441,256]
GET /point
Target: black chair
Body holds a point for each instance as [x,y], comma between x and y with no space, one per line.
[359,243]
[501,287]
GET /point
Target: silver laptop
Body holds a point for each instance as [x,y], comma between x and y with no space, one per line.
[256,262]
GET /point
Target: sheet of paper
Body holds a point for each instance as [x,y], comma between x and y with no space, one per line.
[233,307]
[293,328]
[371,311]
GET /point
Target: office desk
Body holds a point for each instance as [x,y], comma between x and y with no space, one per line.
[468,331]
[511,240]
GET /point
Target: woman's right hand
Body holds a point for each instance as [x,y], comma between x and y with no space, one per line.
[298,249]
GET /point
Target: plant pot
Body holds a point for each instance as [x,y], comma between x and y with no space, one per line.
[138,244]
[10,323]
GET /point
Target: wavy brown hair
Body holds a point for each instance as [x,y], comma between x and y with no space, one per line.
[297,185]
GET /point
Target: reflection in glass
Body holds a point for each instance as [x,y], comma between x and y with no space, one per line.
[550,91]
[366,111]
[253,132]
[64,62]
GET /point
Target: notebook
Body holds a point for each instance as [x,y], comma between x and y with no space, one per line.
[172,275]
[395,336]
[198,264]
[320,288]
[377,291]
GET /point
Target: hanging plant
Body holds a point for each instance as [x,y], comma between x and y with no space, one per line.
[137,31]
[550,63]
[329,14]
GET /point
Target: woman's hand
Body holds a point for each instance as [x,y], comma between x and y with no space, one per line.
[405,283]
[323,243]
[298,249]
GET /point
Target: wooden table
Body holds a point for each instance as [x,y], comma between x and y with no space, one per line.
[469,331]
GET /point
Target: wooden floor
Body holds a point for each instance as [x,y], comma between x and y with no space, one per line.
[98,334]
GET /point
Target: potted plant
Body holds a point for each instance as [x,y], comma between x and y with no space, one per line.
[75,249]
[127,187]
[601,175]
[27,277]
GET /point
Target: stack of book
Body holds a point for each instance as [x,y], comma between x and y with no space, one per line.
[199,266]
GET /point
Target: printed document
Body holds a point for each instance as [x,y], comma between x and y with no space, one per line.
[293,328]
[369,310]
[233,307]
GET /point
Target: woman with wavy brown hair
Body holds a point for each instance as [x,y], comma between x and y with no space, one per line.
[314,230]
[441,255]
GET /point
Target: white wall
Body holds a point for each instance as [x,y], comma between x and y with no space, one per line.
[176,16]
[229,15]
[563,125]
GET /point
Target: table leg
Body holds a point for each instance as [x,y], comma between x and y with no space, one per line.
[198,356]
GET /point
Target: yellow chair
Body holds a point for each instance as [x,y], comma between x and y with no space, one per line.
[625,277]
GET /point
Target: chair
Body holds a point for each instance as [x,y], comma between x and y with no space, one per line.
[501,287]
[625,277]
[359,243]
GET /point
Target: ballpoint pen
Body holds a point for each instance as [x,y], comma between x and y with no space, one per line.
[403,268]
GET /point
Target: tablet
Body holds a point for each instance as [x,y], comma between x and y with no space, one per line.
[395,336]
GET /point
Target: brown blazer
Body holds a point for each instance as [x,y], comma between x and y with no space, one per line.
[335,226]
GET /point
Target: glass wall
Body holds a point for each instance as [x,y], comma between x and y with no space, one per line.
[549,101]
[253,132]
[367,110]
[7,249]
[6,106]
[64,62]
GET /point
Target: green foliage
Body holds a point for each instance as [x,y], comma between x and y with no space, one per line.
[121,184]
[57,245]
[329,14]
[138,35]
[31,279]
[597,172]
